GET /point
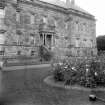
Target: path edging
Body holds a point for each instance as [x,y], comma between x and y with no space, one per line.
[50,81]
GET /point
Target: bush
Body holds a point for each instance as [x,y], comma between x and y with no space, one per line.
[88,73]
[58,73]
[45,54]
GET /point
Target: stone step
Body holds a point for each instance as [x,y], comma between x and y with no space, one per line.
[25,67]
[22,63]
[25,63]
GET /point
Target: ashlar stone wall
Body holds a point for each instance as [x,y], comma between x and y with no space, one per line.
[73,34]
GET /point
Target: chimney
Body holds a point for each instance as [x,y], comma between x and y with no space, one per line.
[72,2]
[68,3]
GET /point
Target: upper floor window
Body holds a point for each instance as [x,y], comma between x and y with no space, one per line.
[85,40]
[77,25]
[2,4]
[2,13]
[66,25]
[24,18]
[77,42]
[32,19]
[44,20]
[17,16]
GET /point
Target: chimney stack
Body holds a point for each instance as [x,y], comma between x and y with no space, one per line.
[72,2]
[68,3]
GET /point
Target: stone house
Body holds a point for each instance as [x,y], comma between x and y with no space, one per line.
[62,27]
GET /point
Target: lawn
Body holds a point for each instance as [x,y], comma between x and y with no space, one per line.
[33,91]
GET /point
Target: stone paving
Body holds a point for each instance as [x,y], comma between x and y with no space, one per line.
[37,92]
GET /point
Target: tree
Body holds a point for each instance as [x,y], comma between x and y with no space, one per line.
[101,43]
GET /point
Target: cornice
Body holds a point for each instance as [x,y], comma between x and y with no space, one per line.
[63,10]
[81,14]
[43,4]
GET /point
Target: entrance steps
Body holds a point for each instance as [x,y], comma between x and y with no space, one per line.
[19,63]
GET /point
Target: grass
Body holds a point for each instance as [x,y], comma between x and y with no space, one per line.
[23,91]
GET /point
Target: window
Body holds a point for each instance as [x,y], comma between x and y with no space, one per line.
[85,40]
[19,32]
[24,19]
[77,22]
[77,26]
[44,20]
[18,52]
[84,26]
[77,42]
[1,52]
[18,17]
[32,19]
[2,4]
[66,25]
[2,13]
[32,53]
[78,52]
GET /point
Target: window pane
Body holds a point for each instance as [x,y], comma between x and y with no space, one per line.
[26,19]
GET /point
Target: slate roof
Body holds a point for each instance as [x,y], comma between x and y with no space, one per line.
[63,4]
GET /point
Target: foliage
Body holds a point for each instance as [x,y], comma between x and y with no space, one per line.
[58,73]
[101,43]
[85,72]
[45,54]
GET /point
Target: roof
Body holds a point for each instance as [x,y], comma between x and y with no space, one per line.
[56,2]
[63,4]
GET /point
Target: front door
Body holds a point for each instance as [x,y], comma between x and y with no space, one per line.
[48,41]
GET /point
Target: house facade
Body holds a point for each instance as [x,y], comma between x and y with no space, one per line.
[63,28]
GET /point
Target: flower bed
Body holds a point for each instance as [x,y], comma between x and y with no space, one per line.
[85,72]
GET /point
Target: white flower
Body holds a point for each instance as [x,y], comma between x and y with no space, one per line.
[1,63]
[96,73]
[87,65]
[60,63]
[73,68]
[65,67]
[87,70]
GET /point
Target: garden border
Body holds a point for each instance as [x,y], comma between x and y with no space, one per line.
[50,81]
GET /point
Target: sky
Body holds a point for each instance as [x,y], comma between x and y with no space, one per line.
[96,8]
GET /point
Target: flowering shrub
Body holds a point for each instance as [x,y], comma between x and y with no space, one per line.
[45,54]
[58,73]
[88,73]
